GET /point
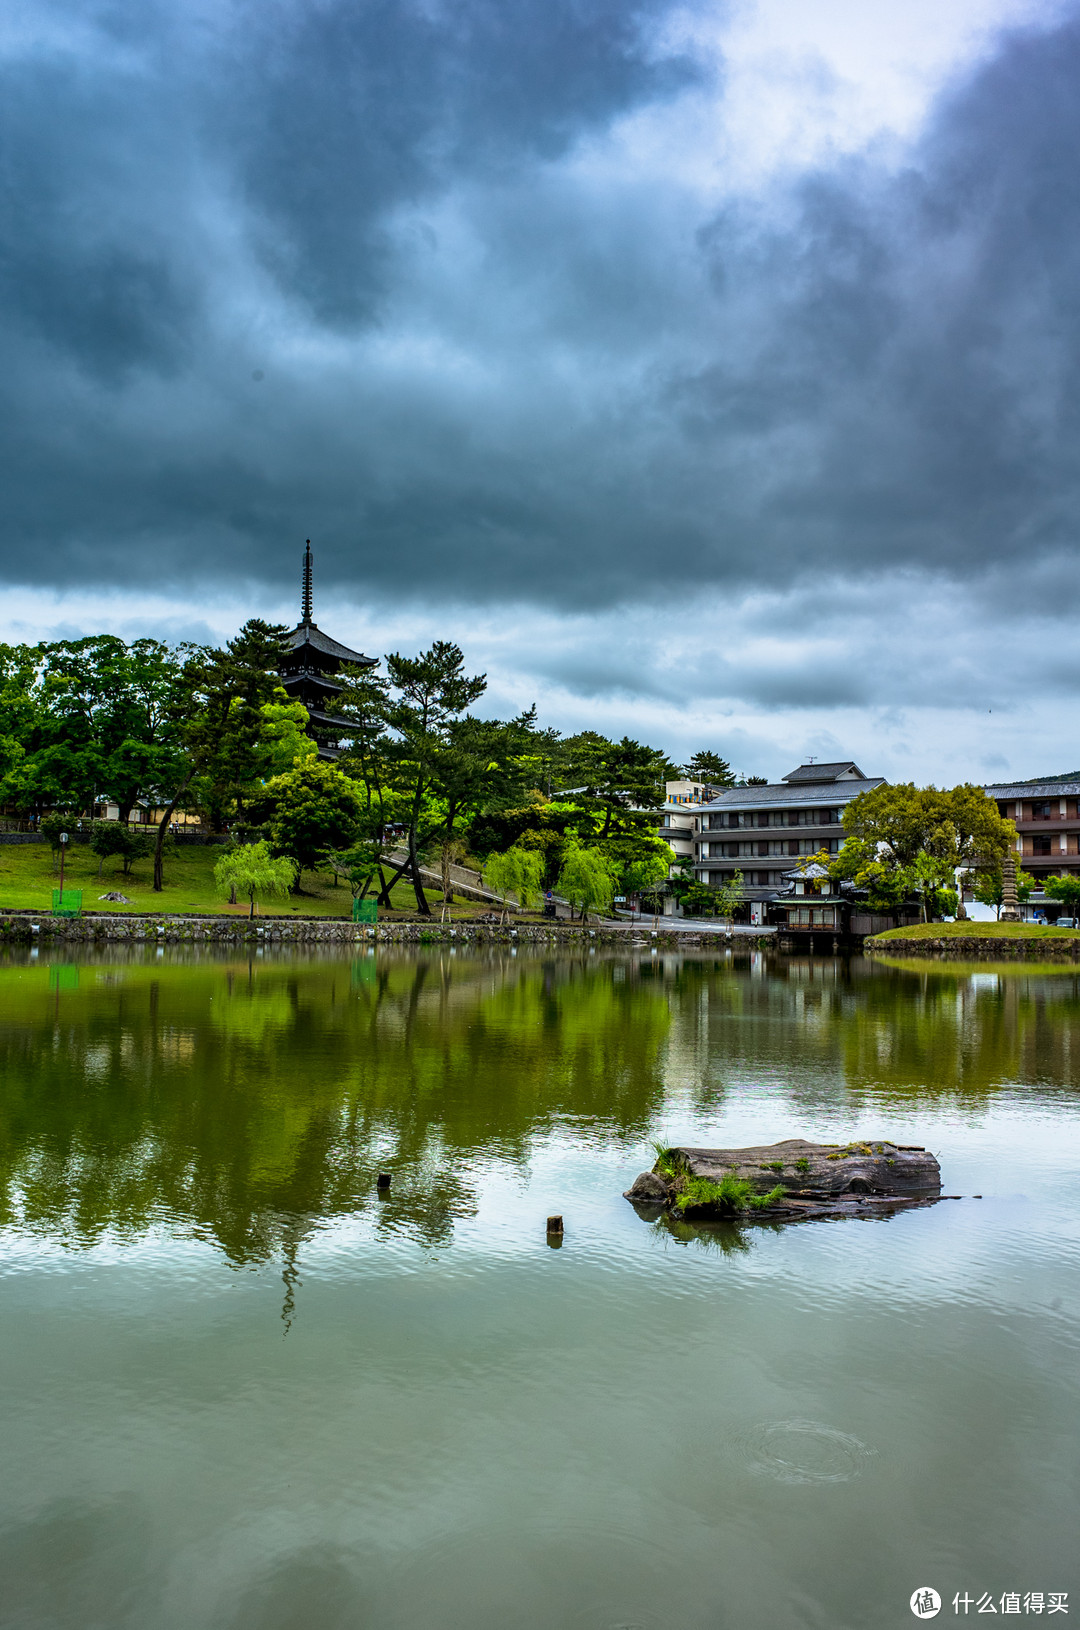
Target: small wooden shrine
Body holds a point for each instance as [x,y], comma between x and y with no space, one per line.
[307,672]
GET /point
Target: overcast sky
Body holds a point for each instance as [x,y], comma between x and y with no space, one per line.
[708,372]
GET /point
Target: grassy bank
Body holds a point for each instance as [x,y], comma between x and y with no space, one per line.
[28,875]
[975,931]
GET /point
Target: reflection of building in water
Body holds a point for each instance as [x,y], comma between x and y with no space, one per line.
[308,671]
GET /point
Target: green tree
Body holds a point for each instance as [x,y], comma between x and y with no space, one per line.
[646,870]
[710,768]
[316,808]
[250,869]
[960,825]
[284,741]
[989,888]
[698,899]
[518,872]
[222,732]
[729,896]
[431,691]
[930,878]
[110,838]
[623,788]
[1065,888]
[586,879]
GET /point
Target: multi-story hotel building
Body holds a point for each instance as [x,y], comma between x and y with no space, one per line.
[1047,819]
[759,831]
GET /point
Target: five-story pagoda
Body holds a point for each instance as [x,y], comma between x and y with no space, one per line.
[307,672]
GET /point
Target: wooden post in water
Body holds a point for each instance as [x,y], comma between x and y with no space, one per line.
[383,1180]
[554,1225]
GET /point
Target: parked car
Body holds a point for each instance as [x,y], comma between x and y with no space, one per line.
[1067,922]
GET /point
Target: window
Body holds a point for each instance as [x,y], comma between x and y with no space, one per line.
[1040,845]
[763,817]
[763,848]
[732,850]
[764,879]
[1005,810]
[793,846]
[776,848]
[733,819]
[1040,811]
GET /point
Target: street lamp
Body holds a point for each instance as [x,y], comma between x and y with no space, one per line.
[63,848]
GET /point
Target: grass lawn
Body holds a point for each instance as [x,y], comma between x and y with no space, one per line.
[979,931]
[28,876]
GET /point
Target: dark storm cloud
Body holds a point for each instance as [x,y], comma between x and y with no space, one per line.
[486,367]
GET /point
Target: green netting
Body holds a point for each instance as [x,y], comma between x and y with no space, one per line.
[67,902]
[364,911]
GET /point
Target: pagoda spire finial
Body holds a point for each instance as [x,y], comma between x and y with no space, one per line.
[305,602]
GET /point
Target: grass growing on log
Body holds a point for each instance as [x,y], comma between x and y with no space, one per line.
[731,1194]
[668,1163]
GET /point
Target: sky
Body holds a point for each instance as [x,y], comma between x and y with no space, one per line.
[708,372]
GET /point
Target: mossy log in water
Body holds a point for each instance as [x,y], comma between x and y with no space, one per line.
[785,1181]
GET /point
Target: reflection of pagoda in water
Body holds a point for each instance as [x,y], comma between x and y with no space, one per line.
[307,672]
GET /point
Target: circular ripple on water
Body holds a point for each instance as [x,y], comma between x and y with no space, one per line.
[800,1452]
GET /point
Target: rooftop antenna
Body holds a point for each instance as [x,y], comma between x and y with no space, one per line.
[305,602]
[811,759]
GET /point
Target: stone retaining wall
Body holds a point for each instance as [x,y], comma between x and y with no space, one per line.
[27,928]
[959,948]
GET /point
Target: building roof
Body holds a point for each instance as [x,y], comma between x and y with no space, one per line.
[1054,788]
[848,770]
[799,795]
[308,636]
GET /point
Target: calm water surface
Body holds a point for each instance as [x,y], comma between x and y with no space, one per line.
[241,1391]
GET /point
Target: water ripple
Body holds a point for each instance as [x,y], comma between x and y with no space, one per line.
[800,1452]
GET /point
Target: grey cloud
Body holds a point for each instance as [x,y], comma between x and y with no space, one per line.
[485,376]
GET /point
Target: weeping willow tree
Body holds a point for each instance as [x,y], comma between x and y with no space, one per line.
[518,872]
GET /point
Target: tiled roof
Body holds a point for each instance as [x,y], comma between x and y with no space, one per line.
[1034,789]
[823,772]
[800,795]
[308,634]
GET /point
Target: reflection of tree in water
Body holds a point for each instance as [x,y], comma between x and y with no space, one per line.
[726,1238]
[250,1102]
[874,1029]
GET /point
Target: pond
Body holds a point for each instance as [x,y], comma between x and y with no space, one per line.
[244,1390]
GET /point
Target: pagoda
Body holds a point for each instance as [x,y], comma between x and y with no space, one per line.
[308,669]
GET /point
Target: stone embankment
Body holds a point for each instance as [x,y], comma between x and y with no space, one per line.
[980,948]
[29,928]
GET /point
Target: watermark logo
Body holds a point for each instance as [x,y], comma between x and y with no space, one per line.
[925,1602]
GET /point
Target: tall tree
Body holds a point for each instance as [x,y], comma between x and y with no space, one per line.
[710,768]
[623,789]
[431,691]
[316,809]
[223,732]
